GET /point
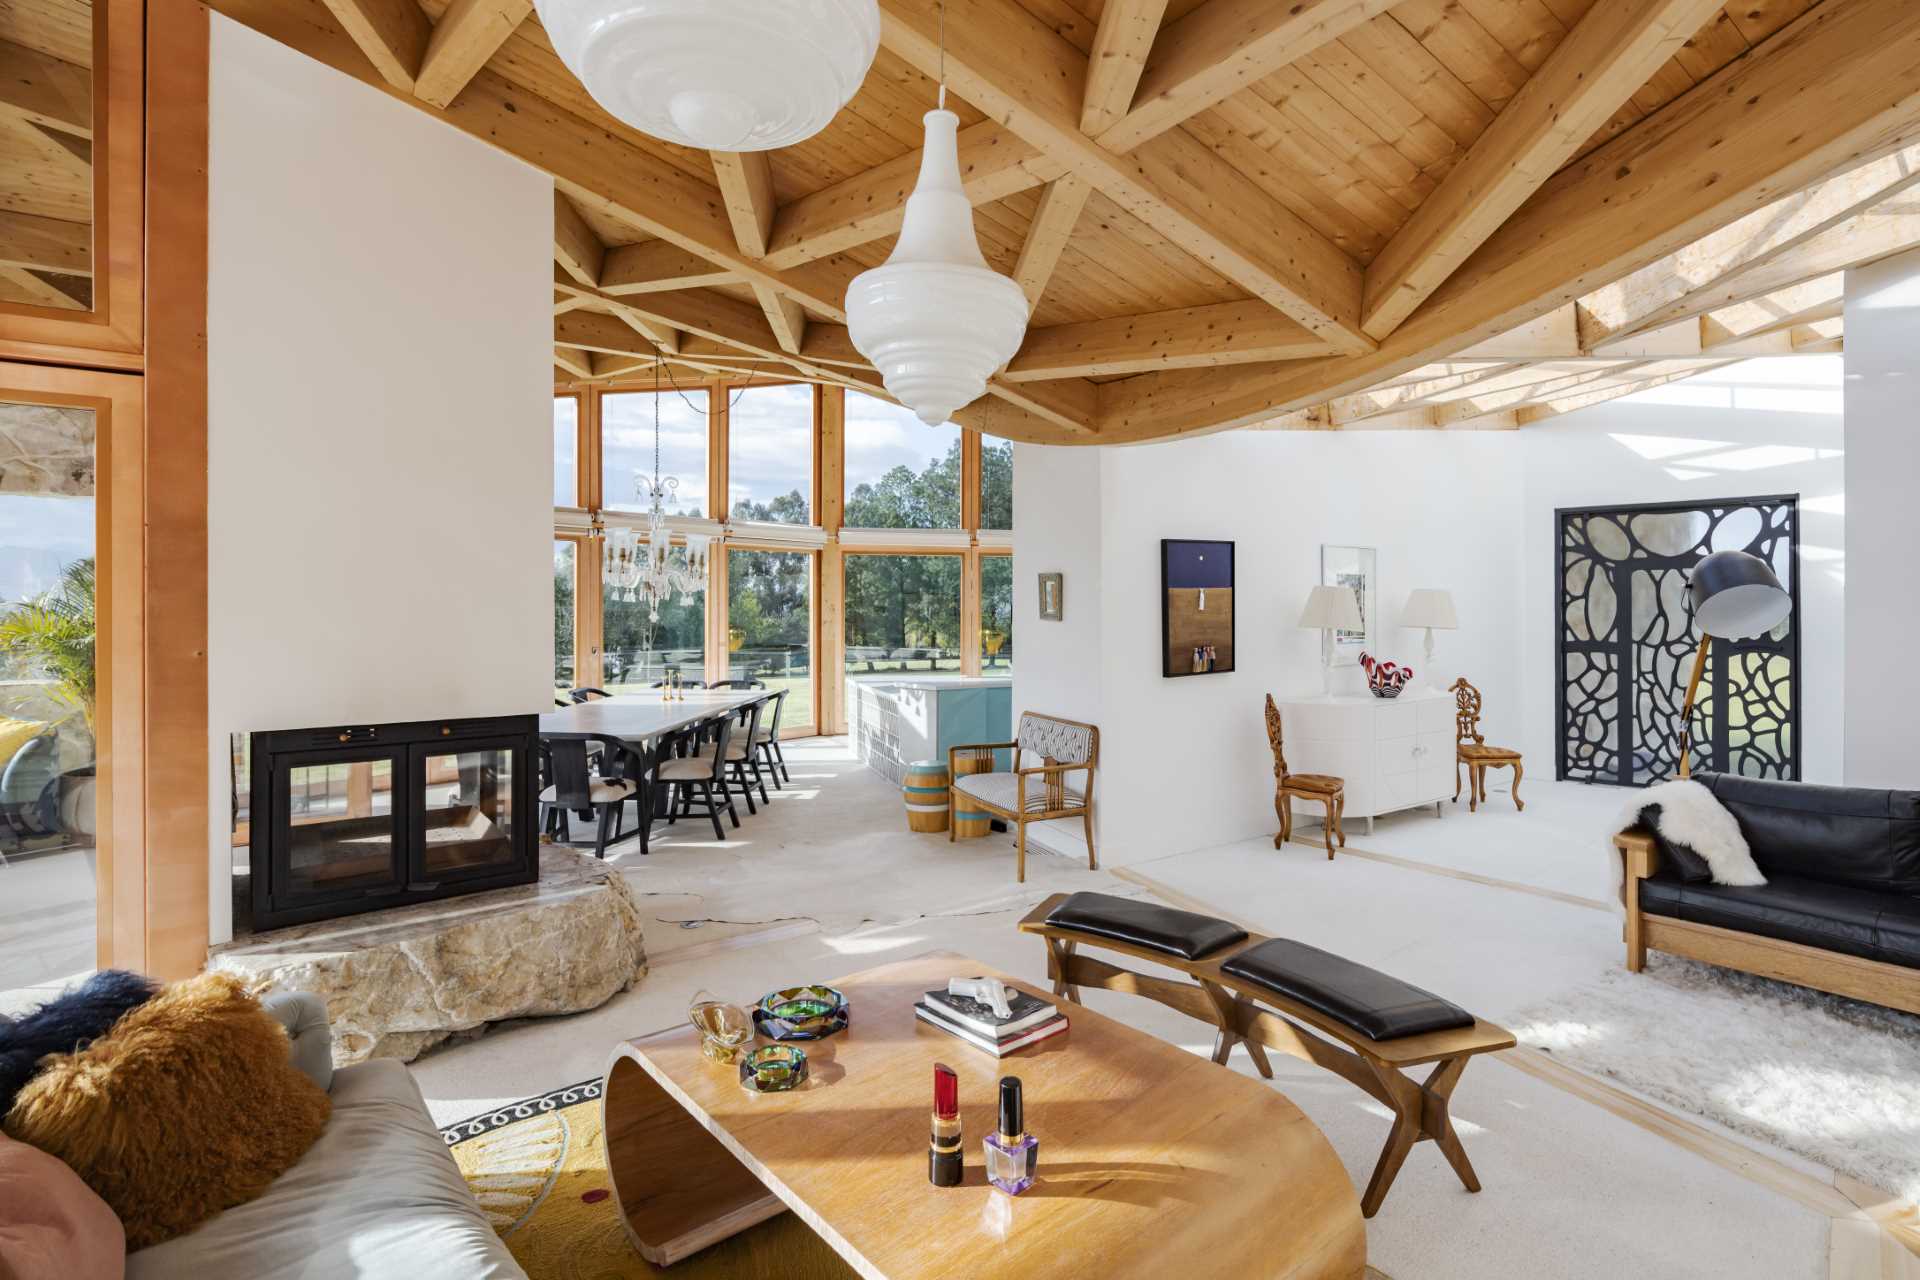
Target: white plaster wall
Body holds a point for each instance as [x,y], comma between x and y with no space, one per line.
[379,462]
[1184,761]
[1883,522]
[1759,428]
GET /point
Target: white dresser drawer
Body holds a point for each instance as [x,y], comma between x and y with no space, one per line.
[1395,720]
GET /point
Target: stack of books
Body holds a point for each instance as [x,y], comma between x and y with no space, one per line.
[1030,1020]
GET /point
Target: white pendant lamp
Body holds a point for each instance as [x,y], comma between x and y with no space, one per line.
[934,318]
[721,75]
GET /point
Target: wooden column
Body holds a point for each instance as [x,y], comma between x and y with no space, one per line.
[970,612]
[830,593]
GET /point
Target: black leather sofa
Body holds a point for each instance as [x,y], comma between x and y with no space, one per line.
[1841,907]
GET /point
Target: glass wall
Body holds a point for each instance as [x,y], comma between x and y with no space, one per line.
[903,613]
[626,449]
[566,451]
[996,484]
[901,473]
[48,789]
[770,626]
[996,615]
[636,650]
[563,613]
[770,455]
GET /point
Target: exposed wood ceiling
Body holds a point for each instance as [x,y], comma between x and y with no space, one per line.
[1235,212]
[46,153]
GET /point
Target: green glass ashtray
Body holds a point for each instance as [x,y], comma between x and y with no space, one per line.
[801,1013]
[773,1068]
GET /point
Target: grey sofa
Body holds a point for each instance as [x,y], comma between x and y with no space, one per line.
[377,1197]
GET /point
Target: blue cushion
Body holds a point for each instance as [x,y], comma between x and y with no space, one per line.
[65,1023]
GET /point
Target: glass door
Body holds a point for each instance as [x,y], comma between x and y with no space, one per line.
[339,831]
[468,802]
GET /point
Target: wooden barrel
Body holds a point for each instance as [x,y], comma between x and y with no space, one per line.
[969,819]
[925,791]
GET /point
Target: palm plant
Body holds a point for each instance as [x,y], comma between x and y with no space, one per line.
[52,634]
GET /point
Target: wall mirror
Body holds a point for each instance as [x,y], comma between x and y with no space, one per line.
[47,155]
[1352,568]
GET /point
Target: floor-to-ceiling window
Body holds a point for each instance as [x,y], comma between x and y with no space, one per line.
[848,539]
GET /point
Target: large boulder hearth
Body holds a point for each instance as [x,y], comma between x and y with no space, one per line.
[398,982]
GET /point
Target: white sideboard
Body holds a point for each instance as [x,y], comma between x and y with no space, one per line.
[1394,753]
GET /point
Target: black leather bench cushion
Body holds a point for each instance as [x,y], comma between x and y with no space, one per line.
[1860,837]
[1854,922]
[1186,934]
[1367,1000]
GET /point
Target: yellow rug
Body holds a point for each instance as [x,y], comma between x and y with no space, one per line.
[539,1170]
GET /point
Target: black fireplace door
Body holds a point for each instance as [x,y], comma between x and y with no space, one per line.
[338,833]
[468,796]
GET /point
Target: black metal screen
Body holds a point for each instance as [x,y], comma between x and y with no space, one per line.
[1626,642]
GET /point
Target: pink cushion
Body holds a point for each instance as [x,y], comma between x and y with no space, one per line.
[52,1225]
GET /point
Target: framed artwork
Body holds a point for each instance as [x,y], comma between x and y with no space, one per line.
[1352,568]
[1196,607]
[1053,590]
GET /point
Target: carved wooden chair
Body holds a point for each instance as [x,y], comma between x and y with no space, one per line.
[1324,788]
[1471,750]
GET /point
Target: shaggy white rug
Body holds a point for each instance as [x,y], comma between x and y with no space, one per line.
[1834,1080]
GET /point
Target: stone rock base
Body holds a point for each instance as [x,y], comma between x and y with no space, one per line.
[398,982]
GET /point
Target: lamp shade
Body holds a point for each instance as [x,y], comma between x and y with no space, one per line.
[721,75]
[1331,607]
[934,318]
[1736,596]
[1430,607]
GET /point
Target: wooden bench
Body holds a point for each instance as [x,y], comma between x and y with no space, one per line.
[1246,1011]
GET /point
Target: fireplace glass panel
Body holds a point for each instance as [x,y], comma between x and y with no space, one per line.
[343,827]
[469,811]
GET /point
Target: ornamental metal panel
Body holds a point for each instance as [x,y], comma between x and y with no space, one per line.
[1626,643]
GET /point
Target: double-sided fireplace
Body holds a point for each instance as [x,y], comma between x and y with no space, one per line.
[354,818]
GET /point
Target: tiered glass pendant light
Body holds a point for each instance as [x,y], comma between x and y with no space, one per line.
[721,75]
[934,319]
[643,568]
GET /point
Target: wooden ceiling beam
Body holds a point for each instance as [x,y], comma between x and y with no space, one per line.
[1478,403]
[1412,394]
[657,266]
[994,164]
[34,243]
[1047,235]
[1534,414]
[45,91]
[575,246]
[41,291]
[784,317]
[1591,74]
[746,185]
[1190,338]
[1121,44]
[1774,121]
[1656,294]
[575,361]
[468,33]
[1219,49]
[393,34]
[1018,70]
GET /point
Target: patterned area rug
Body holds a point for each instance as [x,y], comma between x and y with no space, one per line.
[1835,1080]
[539,1169]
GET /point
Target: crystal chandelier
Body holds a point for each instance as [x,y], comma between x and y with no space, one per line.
[934,319]
[721,75]
[641,566]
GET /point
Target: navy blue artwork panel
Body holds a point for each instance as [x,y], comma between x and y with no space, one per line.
[1199,564]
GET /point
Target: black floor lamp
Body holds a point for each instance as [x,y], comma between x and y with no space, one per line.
[1735,597]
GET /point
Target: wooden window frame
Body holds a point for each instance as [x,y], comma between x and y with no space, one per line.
[822,538]
[112,334]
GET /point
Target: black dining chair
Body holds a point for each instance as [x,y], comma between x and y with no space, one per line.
[766,743]
[569,785]
[744,682]
[588,694]
[738,753]
[684,684]
[694,776]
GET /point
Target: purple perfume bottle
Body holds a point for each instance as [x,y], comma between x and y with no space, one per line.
[1011,1152]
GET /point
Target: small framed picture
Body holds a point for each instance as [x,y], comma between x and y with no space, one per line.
[1196,607]
[1052,597]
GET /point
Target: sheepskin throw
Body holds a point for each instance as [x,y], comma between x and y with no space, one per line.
[1687,813]
[65,1023]
[187,1107]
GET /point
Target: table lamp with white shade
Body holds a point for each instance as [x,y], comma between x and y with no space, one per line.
[1330,609]
[1431,609]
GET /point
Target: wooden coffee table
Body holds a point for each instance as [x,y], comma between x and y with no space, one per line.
[1153,1161]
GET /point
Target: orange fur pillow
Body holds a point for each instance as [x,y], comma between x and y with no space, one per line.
[187,1107]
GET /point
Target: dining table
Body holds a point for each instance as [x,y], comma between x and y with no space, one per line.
[641,721]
